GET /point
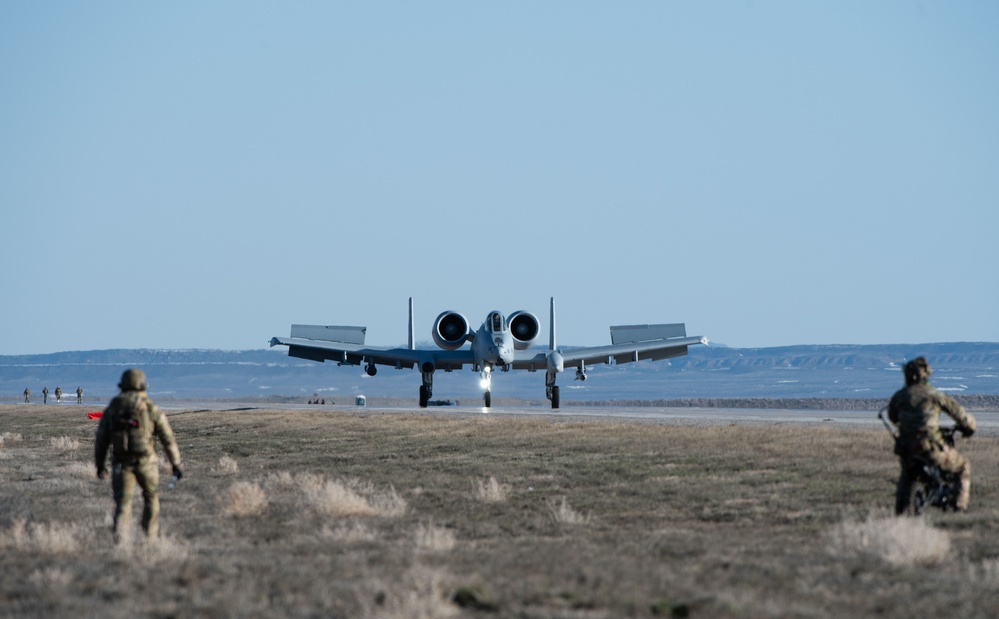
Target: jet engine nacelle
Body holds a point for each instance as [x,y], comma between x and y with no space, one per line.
[451,330]
[524,327]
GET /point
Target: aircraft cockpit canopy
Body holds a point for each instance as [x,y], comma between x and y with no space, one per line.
[496,322]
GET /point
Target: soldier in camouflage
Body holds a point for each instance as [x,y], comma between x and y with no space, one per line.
[128,426]
[27,395]
[916,410]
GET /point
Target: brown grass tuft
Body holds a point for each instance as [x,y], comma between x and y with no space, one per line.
[899,541]
[563,513]
[53,538]
[244,498]
[50,577]
[228,465]
[421,594]
[350,532]
[150,552]
[10,438]
[65,443]
[80,470]
[432,538]
[490,490]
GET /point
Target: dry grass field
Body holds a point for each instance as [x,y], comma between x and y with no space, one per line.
[366,513]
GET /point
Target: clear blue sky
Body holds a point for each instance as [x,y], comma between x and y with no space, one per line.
[202,175]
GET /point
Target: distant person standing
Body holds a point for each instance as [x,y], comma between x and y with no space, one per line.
[27,395]
[45,395]
[79,395]
[129,424]
[58,393]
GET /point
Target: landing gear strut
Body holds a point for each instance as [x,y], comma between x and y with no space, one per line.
[551,389]
[427,388]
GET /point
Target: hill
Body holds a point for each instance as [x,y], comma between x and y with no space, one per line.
[819,371]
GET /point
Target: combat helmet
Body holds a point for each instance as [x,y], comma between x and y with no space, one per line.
[133,379]
[917,371]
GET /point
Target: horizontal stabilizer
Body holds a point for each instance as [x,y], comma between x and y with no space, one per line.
[631,334]
[331,333]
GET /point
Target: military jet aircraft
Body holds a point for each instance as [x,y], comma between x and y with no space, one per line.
[502,342]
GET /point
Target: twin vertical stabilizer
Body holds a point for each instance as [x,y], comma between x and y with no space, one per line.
[412,340]
[551,336]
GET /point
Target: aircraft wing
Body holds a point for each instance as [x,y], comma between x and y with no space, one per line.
[356,353]
[636,351]
[629,343]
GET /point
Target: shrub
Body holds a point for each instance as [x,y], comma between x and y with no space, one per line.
[228,465]
[333,498]
[353,498]
[244,499]
[65,443]
[421,594]
[562,513]
[899,541]
[433,538]
[51,538]
[490,490]
[10,437]
[349,532]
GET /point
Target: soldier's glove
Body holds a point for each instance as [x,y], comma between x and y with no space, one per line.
[102,473]
[178,473]
[967,432]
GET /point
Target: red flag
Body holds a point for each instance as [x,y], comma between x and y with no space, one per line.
[95,415]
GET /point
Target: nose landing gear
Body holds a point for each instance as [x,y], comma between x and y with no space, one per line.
[486,380]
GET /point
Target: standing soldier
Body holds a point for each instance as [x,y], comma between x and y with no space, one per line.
[58,393]
[916,410]
[79,395]
[45,395]
[129,423]
[27,395]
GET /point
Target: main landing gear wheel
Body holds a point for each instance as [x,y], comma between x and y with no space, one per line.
[488,397]
[555,398]
[424,396]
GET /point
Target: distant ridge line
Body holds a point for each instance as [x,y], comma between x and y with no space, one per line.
[707,373]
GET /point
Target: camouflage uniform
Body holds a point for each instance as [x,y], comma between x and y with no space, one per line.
[58,393]
[79,395]
[133,456]
[27,395]
[45,395]
[916,410]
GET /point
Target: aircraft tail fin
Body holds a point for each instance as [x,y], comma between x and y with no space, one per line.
[412,341]
[551,335]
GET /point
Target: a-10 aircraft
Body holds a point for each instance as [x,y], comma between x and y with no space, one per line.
[502,342]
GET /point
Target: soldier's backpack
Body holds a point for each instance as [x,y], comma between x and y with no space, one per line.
[132,427]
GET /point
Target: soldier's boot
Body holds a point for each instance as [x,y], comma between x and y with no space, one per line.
[123,485]
[903,492]
[964,496]
[151,517]
[122,523]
